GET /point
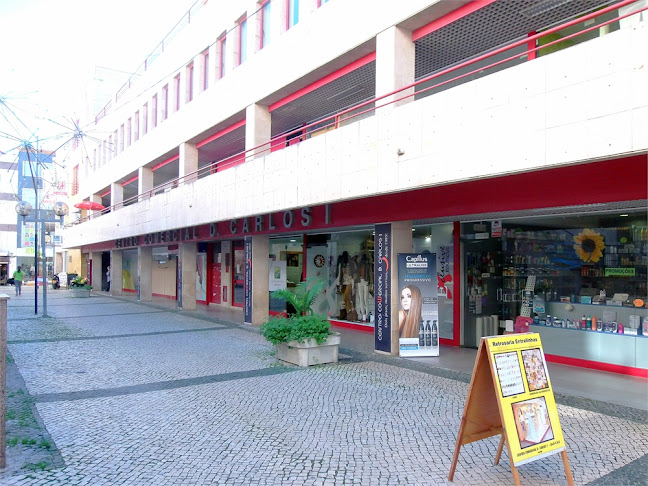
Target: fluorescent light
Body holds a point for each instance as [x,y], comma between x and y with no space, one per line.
[623,215]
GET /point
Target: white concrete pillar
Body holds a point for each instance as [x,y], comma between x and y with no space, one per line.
[401,243]
[260,269]
[279,16]
[253,27]
[96,275]
[188,163]
[187,276]
[394,64]
[145,273]
[116,269]
[257,129]
[144,182]
[116,194]
[231,49]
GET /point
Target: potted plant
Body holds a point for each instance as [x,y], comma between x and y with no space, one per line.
[80,287]
[303,338]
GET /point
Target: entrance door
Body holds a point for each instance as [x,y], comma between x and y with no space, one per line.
[482,282]
[238,274]
[216,283]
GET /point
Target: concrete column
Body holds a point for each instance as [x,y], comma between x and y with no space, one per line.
[116,194]
[253,27]
[226,272]
[188,163]
[231,49]
[144,182]
[257,129]
[187,275]
[401,243]
[260,269]
[96,279]
[145,273]
[116,269]
[279,17]
[394,64]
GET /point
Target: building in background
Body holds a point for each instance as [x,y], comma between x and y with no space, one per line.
[265,143]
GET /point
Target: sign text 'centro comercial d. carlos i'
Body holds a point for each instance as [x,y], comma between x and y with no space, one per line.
[290,220]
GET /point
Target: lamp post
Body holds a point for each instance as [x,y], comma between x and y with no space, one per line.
[41,216]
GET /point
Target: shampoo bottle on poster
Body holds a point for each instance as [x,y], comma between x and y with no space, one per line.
[428,334]
[435,334]
[588,322]
[583,322]
[594,323]
[421,334]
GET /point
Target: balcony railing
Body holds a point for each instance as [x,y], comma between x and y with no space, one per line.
[370,106]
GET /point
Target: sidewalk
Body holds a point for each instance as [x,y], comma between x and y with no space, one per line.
[141,394]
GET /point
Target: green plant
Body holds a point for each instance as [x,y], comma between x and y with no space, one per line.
[302,296]
[304,324]
[80,282]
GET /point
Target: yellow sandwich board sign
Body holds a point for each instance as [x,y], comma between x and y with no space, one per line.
[510,395]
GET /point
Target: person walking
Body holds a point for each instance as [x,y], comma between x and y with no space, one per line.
[108,279]
[18,276]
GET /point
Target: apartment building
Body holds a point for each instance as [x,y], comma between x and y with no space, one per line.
[266,143]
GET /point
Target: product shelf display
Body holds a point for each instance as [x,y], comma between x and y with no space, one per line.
[590,279]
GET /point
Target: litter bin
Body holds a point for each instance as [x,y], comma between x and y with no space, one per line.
[70,277]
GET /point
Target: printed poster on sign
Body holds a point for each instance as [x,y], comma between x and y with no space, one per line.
[526,397]
[418,314]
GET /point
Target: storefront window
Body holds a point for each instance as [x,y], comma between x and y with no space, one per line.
[565,272]
[437,239]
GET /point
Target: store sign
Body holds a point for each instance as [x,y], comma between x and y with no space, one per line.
[269,222]
[527,401]
[247,299]
[620,272]
[382,284]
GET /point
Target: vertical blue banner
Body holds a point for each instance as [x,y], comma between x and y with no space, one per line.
[179,280]
[382,287]
[247,286]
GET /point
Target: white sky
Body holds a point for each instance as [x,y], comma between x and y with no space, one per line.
[50,47]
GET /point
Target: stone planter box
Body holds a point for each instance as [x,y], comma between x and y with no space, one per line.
[79,293]
[310,353]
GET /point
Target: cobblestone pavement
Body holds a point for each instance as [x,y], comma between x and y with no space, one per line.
[135,394]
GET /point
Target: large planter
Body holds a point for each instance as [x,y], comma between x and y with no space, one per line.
[79,293]
[310,353]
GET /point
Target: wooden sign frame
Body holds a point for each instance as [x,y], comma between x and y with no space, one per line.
[483,415]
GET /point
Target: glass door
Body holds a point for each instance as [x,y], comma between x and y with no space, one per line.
[238,274]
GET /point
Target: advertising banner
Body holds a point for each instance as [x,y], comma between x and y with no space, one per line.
[247,300]
[526,398]
[277,277]
[382,287]
[418,316]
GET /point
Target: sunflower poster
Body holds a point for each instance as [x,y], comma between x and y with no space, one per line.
[526,398]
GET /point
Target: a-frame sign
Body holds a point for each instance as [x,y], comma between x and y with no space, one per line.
[510,395]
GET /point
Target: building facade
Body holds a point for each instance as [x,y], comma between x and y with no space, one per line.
[276,141]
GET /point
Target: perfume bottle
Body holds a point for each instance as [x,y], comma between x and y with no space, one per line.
[588,322]
[428,334]
[421,334]
[435,334]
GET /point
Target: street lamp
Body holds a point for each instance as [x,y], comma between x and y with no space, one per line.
[42,216]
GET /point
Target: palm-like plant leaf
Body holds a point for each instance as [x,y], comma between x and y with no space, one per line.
[303,296]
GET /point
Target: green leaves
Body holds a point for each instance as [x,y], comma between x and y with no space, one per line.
[302,296]
[281,329]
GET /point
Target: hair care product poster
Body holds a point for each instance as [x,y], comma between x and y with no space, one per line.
[418,312]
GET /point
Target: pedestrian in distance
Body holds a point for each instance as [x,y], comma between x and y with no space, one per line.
[108,279]
[18,276]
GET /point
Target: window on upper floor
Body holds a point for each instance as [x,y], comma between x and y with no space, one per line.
[115,143]
[111,147]
[129,131]
[136,128]
[165,102]
[190,82]
[205,70]
[145,119]
[292,10]
[154,111]
[75,180]
[264,11]
[242,38]
[176,89]
[222,55]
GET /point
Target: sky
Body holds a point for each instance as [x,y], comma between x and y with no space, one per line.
[49,49]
